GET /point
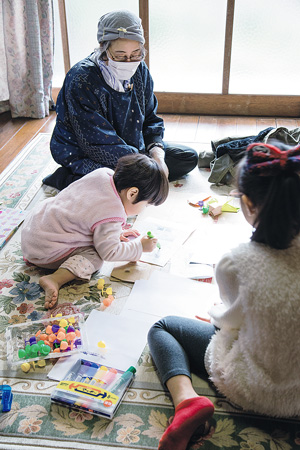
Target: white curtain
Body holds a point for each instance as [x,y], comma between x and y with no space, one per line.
[26,54]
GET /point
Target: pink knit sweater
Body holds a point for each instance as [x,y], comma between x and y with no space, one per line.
[57,226]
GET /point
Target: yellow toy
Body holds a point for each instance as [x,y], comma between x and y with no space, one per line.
[25,367]
[100,284]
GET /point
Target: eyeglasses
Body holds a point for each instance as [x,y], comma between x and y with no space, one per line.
[137,57]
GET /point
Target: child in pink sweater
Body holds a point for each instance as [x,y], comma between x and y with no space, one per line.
[80,228]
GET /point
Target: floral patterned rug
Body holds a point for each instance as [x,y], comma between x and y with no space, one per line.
[34,422]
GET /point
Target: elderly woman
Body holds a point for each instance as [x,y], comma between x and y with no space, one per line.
[107,109]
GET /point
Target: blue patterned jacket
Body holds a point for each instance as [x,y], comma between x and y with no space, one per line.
[96,125]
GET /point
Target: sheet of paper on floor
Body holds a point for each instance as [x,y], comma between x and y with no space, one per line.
[209,243]
[170,235]
[164,294]
[183,265]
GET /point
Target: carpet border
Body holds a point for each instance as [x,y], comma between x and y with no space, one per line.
[21,156]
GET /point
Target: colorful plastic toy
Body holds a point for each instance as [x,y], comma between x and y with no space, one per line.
[43,339]
[6,397]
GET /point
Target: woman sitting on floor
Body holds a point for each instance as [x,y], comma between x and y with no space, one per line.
[107,109]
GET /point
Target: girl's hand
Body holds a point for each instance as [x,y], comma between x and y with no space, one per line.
[133,233]
[148,244]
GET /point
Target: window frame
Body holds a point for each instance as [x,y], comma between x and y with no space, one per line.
[210,104]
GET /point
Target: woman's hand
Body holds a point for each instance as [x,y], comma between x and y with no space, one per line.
[124,235]
[158,154]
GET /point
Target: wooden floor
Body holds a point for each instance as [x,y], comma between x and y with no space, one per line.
[16,133]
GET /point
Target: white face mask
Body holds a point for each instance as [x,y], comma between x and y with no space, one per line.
[122,70]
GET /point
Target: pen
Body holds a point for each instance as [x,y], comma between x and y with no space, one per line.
[202,264]
[70,377]
[87,377]
[150,236]
[99,376]
[203,319]
[102,376]
[97,379]
[124,379]
[73,372]
[69,397]
[85,370]
[106,379]
[109,378]
[80,374]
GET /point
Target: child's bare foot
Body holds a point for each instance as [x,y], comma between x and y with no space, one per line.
[52,284]
[51,288]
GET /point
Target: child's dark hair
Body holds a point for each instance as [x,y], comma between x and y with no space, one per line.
[269,176]
[143,172]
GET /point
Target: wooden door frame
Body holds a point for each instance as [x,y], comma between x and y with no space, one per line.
[210,104]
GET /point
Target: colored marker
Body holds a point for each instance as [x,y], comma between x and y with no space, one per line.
[81,373]
[87,377]
[99,376]
[124,379]
[97,380]
[203,319]
[150,236]
[106,379]
[85,370]
[71,376]
[111,375]
[69,397]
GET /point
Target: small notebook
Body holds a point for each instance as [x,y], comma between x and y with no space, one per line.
[10,220]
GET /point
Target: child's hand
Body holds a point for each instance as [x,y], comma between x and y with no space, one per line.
[148,244]
[130,232]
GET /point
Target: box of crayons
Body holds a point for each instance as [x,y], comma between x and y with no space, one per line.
[93,387]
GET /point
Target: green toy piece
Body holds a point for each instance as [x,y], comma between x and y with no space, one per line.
[21,353]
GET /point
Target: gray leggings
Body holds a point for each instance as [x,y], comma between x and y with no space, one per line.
[178,345]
